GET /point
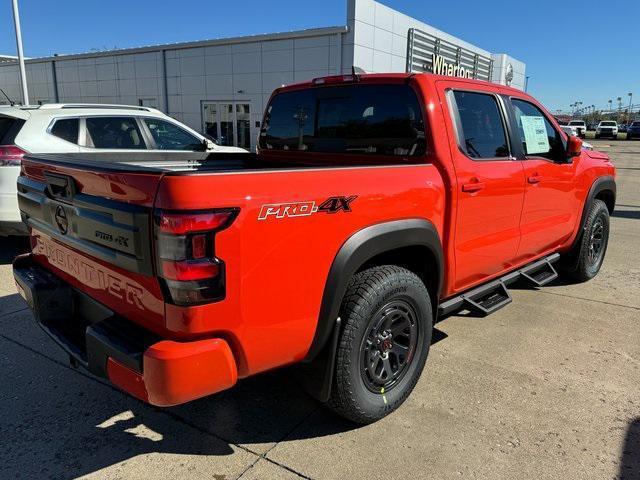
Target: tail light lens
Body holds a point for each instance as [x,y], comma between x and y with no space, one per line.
[187,263]
[11,156]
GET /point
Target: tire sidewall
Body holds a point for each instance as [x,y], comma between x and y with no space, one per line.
[379,405]
[599,210]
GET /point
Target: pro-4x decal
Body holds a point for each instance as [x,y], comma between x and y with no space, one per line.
[304,209]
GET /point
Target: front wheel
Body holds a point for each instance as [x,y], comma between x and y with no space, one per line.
[388,323]
[591,249]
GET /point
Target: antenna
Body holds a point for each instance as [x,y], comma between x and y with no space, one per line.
[11,102]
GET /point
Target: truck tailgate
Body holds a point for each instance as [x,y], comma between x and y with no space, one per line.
[94,230]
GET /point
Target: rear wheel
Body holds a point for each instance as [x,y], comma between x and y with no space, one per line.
[388,323]
[590,251]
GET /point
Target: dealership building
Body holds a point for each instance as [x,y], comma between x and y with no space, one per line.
[220,87]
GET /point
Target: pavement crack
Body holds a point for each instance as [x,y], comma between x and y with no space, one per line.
[589,299]
[6,314]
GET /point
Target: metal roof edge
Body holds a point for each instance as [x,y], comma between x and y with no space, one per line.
[310,32]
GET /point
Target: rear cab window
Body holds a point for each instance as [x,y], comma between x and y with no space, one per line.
[370,120]
[114,133]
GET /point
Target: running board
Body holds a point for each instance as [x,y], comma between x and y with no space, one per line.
[539,273]
[494,295]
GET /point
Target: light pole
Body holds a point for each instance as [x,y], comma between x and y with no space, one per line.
[610,107]
[619,107]
[630,105]
[526,83]
[23,75]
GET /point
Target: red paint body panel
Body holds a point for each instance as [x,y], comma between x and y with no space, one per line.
[490,218]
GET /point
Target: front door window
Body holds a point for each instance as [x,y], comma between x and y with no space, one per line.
[228,123]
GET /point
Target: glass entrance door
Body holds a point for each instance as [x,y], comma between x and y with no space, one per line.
[228,123]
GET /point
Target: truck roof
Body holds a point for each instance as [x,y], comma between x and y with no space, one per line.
[387,77]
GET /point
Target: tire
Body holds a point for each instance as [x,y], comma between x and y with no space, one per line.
[380,301]
[597,135]
[628,136]
[586,263]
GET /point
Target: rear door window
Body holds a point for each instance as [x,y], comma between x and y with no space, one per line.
[114,133]
[373,120]
[481,128]
[66,129]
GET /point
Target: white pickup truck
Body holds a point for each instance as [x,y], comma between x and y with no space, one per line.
[607,128]
[580,127]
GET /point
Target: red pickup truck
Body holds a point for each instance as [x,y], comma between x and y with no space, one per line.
[375,205]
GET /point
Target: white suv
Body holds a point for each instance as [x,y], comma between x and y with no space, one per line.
[68,128]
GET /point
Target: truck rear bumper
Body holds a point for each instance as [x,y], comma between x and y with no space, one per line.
[158,371]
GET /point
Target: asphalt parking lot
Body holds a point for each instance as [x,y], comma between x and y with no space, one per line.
[546,388]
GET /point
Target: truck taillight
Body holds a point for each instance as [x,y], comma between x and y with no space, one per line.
[11,156]
[187,262]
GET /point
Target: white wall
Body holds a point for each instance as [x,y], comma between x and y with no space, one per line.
[500,63]
[379,36]
[377,39]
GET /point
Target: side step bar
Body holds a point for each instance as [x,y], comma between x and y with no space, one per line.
[492,296]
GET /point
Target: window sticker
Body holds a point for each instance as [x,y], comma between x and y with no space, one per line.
[535,134]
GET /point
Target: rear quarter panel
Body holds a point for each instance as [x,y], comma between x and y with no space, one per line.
[277,267]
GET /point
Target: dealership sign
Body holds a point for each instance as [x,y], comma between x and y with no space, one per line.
[442,67]
[428,53]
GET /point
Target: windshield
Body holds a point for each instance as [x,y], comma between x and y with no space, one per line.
[608,124]
[635,124]
[369,120]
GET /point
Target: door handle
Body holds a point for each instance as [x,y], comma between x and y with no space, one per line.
[535,178]
[472,187]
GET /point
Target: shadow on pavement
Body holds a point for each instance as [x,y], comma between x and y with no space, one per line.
[10,247]
[630,462]
[633,214]
[59,424]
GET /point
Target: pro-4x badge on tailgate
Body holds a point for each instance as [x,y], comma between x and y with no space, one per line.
[304,209]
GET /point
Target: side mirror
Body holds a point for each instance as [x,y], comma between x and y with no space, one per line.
[574,146]
[207,145]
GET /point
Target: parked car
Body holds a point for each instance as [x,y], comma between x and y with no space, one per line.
[571,131]
[580,126]
[633,131]
[334,248]
[68,128]
[607,128]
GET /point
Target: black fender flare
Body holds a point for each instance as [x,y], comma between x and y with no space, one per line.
[600,184]
[362,246]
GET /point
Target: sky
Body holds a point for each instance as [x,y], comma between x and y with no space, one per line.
[588,53]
